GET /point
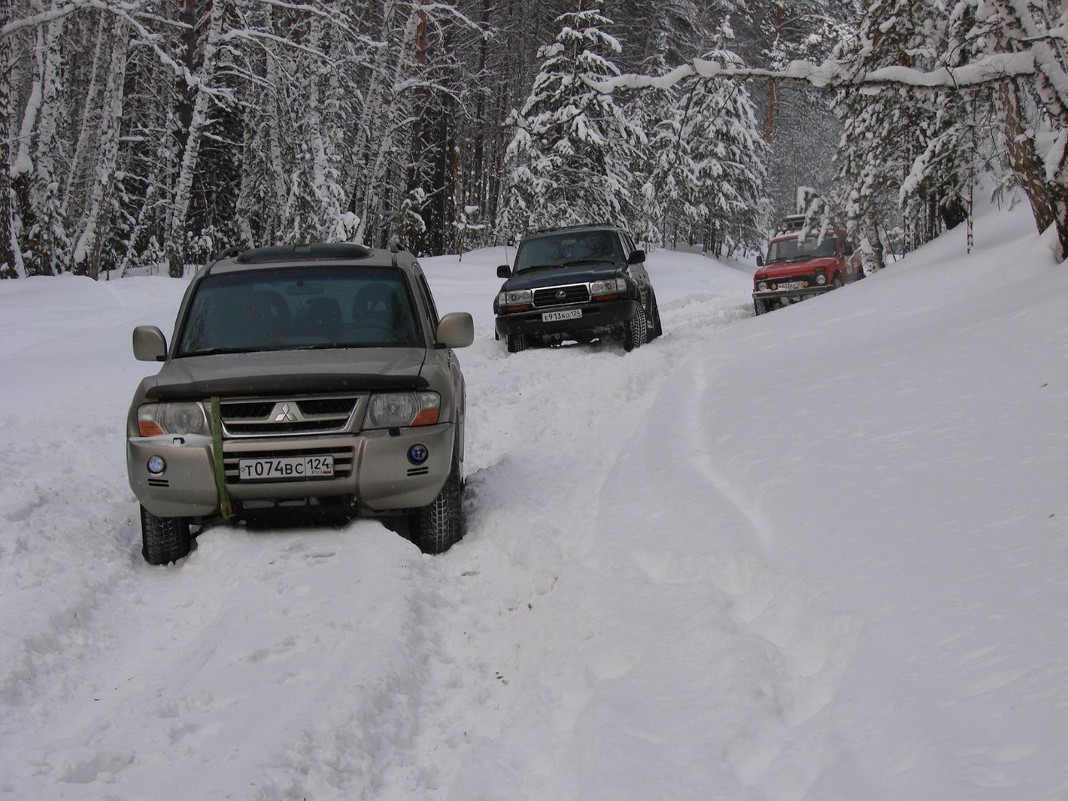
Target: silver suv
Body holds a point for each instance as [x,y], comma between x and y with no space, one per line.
[316,379]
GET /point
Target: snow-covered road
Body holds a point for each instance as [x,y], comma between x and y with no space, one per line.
[783,558]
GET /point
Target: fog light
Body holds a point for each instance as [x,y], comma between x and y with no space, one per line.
[156,465]
[417,454]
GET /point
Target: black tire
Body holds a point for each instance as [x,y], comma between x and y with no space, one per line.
[164,539]
[760,307]
[655,328]
[837,282]
[437,527]
[635,331]
[517,342]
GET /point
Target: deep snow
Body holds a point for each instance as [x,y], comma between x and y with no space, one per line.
[817,554]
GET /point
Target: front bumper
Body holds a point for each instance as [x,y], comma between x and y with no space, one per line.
[787,294]
[597,318]
[372,471]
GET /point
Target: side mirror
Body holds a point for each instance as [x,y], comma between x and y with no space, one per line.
[456,330]
[636,256]
[149,344]
[504,271]
[760,260]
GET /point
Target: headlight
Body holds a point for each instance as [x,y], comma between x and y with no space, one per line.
[763,286]
[178,419]
[821,279]
[613,286]
[516,297]
[401,409]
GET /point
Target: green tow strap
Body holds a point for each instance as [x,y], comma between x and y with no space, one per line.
[217,452]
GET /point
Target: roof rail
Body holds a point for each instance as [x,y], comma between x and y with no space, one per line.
[314,251]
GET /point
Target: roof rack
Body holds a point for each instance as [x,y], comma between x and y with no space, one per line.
[579,225]
[792,223]
[315,251]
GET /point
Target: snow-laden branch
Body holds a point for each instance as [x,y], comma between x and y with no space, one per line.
[61,10]
[832,74]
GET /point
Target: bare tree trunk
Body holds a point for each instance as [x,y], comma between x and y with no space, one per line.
[26,178]
[174,245]
[8,263]
[87,249]
[1047,193]
[89,122]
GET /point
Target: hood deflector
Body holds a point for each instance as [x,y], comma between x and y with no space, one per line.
[302,384]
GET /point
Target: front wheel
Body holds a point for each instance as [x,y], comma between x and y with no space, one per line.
[517,342]
[164,539]
[760,307]
[636,330]
[437,527]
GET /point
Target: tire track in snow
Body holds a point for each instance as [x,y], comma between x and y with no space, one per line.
[736,631]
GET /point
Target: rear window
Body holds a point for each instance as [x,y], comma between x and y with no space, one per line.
[299,308]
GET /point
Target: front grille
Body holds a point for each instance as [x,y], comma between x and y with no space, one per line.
[288,416]
[561,295]
[343,458]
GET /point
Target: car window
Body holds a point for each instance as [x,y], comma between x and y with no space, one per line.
[321,306]
[797,249]
[428,302]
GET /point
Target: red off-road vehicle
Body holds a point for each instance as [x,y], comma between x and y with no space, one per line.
[800,264]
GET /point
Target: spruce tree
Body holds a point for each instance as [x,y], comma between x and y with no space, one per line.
[570,155]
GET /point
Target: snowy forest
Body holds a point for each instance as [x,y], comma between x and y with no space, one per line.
[152,134]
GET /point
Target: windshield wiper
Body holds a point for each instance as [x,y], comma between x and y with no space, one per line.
[216,351]
[587,261]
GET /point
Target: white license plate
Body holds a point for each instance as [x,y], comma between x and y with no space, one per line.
[286,467]
[552,317]
[792,285]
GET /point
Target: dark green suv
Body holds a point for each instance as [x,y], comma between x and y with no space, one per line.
[577,284]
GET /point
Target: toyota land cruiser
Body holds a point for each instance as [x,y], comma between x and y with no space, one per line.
[580,283]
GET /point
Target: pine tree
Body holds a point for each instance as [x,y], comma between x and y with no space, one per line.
[573,146]
[729,153]
[901,147]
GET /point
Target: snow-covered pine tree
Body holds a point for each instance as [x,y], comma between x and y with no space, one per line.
[571,152]
[900,146]
[936,194]
[670,193]
[796,119]
[729,154]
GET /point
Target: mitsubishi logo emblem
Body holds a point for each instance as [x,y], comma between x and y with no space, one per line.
[285,415]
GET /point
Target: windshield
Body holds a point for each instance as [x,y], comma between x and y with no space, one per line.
[300,307]
[800,250]
[573,247]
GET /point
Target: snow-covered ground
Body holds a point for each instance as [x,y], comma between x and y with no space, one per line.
[820,554]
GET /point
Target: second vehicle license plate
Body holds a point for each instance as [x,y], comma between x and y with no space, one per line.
[552,317]
[286,467]
[792,285]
